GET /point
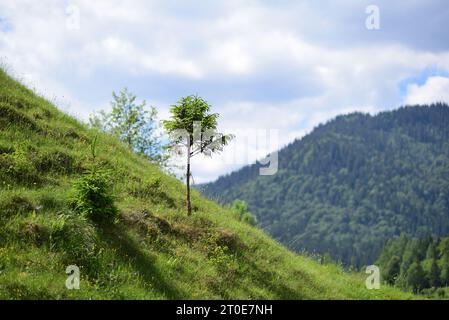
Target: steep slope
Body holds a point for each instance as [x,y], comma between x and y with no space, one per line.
[154,251]
[353,183]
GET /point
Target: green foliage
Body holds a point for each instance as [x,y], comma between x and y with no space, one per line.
[194,128]
[241,209]
[416,279]
[353,183]
[392,270]
[77,238]
[93,196]
[93,192]
[55,161]
[435,293]
[414,263]
[10,116]
[155,252]
[444,277]
[17,167]
[13,203]
[434,274]
[134,124]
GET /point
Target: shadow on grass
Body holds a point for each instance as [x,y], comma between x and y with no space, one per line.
[164,198]
[265,279]
[144,263]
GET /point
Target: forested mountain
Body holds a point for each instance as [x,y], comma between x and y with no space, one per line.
[352,183]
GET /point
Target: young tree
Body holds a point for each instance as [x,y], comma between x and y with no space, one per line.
[194,128]
[410,254]
[392,270]
[434,274]
[416,278]
[444,250]
[133,123]
[432,252]
[444,276]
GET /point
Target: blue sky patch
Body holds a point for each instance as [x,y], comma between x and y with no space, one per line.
[421,78]
[5,26]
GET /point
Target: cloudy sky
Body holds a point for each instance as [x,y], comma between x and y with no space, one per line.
[283,66]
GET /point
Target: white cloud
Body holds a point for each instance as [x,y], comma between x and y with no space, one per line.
[436,89]
[119,53]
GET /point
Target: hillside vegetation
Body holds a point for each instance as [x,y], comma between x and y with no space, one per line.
[418,264]
[153,250]
[353,183]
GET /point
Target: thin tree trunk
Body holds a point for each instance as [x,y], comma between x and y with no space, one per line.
[188,205]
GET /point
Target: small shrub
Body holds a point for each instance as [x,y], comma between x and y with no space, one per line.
[229,240]
[249,219]
[240,209]
[93,197]
[93,192]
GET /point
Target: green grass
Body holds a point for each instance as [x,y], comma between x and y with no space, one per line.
[153,251]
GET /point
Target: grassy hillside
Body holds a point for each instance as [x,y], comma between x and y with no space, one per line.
[153,251]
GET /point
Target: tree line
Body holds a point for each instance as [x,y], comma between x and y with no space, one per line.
[415,263]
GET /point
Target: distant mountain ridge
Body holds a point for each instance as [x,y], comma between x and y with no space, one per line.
[352,183]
